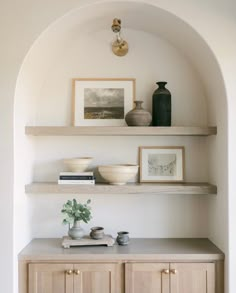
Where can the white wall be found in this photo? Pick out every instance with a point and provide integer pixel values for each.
(214, 20)
(46, 77)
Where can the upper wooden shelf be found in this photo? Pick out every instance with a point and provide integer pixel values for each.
(119, 131)
(130, 188)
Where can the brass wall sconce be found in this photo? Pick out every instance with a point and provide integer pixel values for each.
(119, 46)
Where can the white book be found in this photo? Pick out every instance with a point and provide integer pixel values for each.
(82, 182)
(76, 173)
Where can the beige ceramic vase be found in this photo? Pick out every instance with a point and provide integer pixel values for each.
(138, 116)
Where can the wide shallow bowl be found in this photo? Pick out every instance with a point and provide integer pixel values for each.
(118, 174)
(77, 164)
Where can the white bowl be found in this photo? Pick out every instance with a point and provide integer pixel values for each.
(118, 174)
(77, 164)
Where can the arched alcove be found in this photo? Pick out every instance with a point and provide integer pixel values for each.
(162, 47)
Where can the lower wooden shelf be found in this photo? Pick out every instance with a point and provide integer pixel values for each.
(130, 188)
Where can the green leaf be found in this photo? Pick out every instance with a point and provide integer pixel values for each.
(72, 210)
(64, 222)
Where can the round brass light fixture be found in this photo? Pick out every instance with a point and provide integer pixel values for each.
(120, 48)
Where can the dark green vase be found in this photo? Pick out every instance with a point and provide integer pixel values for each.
(161, 106)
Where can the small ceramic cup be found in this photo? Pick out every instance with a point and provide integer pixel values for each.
(123, 238)
(97, 232)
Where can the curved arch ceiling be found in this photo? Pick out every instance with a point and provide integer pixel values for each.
(138, 16)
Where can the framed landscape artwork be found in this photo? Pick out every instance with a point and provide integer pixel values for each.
(102, 102)
(161, 164)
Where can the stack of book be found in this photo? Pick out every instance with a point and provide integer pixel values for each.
(76, 178)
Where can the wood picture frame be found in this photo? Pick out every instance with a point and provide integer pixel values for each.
(102, 101)
(163, 164)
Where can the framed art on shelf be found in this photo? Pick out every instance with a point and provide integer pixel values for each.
(102, 101)
(161, 164)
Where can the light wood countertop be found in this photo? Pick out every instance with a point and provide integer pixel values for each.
(139, 249)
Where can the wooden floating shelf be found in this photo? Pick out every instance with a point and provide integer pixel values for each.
(130, 188)
(119, 131)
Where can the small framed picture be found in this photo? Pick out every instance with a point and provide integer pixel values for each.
(102, 101)
(161, 164)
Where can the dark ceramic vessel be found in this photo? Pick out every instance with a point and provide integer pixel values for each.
(161, 105)
(123, 238)
(97, 232)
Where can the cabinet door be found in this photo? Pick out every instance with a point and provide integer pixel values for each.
(50, 278)
(147, 278)
(192, 278)
(97, 278)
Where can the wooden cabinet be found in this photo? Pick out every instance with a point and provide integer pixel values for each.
(170, 278)
(146, 265)
(107, 278)
(74, 278)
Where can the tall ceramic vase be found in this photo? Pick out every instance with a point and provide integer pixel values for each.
(76, 232)
(161, 106)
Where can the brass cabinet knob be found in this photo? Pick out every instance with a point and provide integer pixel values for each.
(165, 272)
(69, 272)
(173, 271)
(77, 272)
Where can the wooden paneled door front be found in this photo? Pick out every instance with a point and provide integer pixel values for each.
(51, 278)
(147, 278)
(192, 278)
(75, 278)
(170, 278)
(96, 278)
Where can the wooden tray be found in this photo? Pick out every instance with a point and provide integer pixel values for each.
(107, 240)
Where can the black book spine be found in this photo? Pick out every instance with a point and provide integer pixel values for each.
(76, 177)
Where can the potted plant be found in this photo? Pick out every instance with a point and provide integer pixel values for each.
(74, 213)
